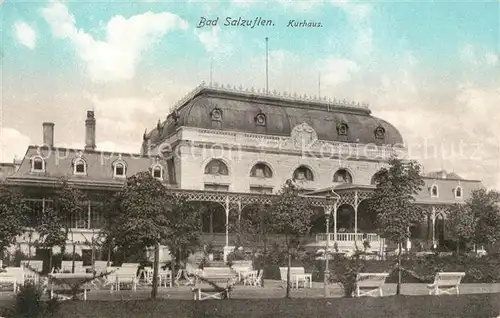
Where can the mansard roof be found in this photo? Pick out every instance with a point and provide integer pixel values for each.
(282, 113)
(99, 165)
(443, 174)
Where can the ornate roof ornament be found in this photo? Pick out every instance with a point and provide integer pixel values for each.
(303, 136)
(286, 96)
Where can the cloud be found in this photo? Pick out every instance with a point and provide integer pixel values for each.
(117, 57)
(335, 71)
(491, 58)
(122, 147)
(25, 34)
(300, 5)
(12, 144)
(478, 56)
(210, 39)
(359, 17)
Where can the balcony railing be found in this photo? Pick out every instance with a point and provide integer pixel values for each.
(349, 237)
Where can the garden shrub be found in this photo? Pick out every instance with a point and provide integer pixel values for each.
(28, 303)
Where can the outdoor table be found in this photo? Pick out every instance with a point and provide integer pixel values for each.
(304, 277)
(67, 282)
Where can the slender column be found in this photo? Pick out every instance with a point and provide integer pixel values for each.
(328, 211)
(226, 208)
(211, 225)
(239, 221)
(335, 223)
(356, 204)
(89, 216)
(433, 216)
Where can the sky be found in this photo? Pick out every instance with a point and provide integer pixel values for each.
(431, 68)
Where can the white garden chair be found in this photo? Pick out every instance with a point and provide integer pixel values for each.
(446, 283)
(370, 284)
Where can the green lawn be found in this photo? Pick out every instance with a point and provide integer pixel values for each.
(472, 305)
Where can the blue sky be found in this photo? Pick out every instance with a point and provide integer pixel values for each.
(429, 67)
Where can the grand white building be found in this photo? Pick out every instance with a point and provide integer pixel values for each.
(223, 144)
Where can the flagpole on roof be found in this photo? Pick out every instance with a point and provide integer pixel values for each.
(211, 69)
(319, 85)
(267, 66)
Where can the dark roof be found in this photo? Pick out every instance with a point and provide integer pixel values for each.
(239, 109)
(442, 174)
(59, 163)
(6, 169)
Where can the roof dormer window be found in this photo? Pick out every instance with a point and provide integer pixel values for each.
(37, 164)
(119, 169)
(157, 172)
(79, 167)
(458, 192)
(434, 191)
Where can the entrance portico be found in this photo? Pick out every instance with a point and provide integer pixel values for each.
(352, 225)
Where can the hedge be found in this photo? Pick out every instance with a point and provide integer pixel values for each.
(478, 270)
(472, 305)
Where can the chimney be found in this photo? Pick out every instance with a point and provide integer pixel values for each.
(48, 134)
(90, 131)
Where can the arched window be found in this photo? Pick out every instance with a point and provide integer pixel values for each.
(343, 176)
(458, 192)
(119, 169)
(261, 170)
(434, 191)
(303, 173)
(216, 167)
(37, 164)
(79, 166)
(157, 171)
(373, 181)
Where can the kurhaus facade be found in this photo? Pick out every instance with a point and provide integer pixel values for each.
(238, 147)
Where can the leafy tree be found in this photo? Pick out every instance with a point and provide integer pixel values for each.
(184, 229)
(461, 223)
(51, 231)
(140, 218)
(13, 213)
(485, 207)
(393, 202)
(291, 216)
(254, 229)
(69, 203)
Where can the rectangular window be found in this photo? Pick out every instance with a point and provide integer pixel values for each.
(171, 171)
(38, 164)
(267, 190)
(80, 168)
(35, 207)
(216, 187)
(119, 170)
(96, 215)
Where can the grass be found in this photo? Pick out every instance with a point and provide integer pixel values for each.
(471, 305)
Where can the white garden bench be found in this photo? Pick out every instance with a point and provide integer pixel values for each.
(37, 265)
(126, 275)
(297, 276)
(446, 283)
(67, 266)
(370, 284)
(17, 273)
(9, 279)
(217, 275)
